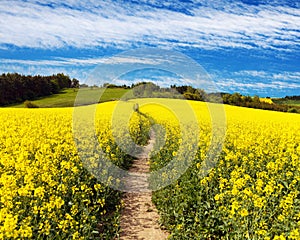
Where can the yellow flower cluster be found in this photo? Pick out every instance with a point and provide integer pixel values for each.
(261, 163)
(252, 193)
(45, 191)
(266, 100)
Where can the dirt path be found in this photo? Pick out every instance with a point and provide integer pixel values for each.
(139, 219)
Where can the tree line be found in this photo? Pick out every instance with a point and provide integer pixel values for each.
(15, 88)
(148, 89)
(237, 99)
(292, 98)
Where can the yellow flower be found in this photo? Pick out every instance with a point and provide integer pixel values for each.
(179, 227)
(10, 225)
(39, 192)
(259, 185)
(218, 197)
(259, 201)
(261, 232)
(281, 218)
(25, 232)
(244, 212)
(294, 234)
(281, 237)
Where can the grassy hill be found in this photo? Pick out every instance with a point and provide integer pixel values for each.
(67, 97)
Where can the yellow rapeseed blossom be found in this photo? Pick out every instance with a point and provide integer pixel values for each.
(256, 179)
(47, 192)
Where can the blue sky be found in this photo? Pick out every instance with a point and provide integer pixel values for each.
(252, 47)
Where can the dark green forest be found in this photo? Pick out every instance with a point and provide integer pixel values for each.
(16, 88)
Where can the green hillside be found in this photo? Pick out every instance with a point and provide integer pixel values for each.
(67, 97)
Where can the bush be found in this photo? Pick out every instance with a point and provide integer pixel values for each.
(292, 110)
(29, 104)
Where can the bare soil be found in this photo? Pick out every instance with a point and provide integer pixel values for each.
(139, 217)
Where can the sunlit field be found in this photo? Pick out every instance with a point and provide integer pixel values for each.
(45, 190)
(251, 193)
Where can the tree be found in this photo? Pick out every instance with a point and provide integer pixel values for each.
(75, 83)
(256, 99)
(235, 99)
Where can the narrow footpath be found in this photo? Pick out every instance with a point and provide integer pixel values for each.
(139, 218)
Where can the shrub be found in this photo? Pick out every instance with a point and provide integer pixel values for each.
(292, 110)
(29, 104)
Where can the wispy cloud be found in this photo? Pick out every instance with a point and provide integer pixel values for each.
(262, 83)
(83, 61)
(271, 88)
(290, 76)
(252, 73)
(225, 83)
(44, 24)
(264, 38)
(46, 68)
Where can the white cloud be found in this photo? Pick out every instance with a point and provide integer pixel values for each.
(286, 76)
(83, 61)
(252, 73)
(234, 84)
(292, 76)
(106, 23)
(44, 70)
(260, 82)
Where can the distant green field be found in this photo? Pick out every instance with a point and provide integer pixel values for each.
(287, 102)
(67, 97)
